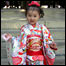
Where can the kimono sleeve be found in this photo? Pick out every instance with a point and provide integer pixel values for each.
(23, 37)
(47, 36)
(20, 41)
(19, 48)
(48, 39)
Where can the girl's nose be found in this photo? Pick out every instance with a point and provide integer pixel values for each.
(32, 18)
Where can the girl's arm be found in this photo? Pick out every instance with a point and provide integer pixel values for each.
(21, 39)
(19, 47)
(48, 38)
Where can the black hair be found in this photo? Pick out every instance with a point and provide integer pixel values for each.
(34, 7)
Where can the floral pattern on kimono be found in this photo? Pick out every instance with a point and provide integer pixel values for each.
(19, 44)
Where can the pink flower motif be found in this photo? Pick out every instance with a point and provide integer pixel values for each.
(16, 60)
(40, 58)
(34, 58)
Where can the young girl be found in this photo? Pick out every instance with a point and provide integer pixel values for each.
(33, 45)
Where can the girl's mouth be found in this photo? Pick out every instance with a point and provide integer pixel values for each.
(31, 21)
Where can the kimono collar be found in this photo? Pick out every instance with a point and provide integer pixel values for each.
(31, 26)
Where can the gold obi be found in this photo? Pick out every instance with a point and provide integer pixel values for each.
(34, 44)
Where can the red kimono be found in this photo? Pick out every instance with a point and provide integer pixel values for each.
(32, 46)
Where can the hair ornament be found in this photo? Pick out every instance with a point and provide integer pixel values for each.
(34, 3)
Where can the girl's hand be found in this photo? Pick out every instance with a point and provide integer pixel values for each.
(53, 46)
(8, 35)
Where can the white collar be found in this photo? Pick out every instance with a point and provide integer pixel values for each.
(31, 27)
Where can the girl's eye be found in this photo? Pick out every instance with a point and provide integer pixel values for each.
(34, 16)
(29, 15)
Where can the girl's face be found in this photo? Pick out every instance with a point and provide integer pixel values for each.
(33, 16)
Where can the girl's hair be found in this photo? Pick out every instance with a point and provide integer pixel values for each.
(34, 7)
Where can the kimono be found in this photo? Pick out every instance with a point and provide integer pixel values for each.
(31, 47)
